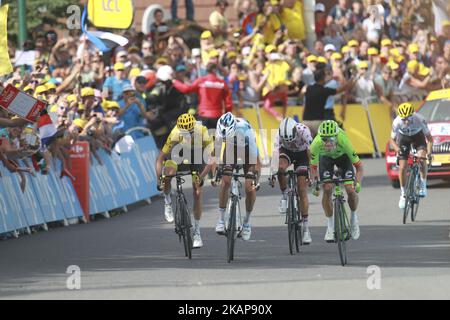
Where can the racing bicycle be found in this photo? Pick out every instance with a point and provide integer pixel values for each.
(342, 229)
(233, 220)
(293, 220)
(182, 217)
(412, 189)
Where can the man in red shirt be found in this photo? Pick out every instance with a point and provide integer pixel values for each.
(213, 94)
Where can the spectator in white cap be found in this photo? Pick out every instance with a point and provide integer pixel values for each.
(329, 50)
(320, 20)
(130, 110)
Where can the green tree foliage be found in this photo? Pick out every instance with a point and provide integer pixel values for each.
(38, 12)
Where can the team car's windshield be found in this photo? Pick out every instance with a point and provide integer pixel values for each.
(436, 110)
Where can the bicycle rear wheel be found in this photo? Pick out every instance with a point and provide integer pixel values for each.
(340, 231)
(186, 227)
(231, 231)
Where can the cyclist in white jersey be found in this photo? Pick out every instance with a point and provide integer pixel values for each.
(292, 148)
(410, 129)
(239, 148)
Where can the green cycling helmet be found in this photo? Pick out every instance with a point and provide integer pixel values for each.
(328, 128)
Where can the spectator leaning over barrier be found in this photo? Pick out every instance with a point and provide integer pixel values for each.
(213, 93)
(11, 148)
(113, 86)
(276, 86)
(316, 96)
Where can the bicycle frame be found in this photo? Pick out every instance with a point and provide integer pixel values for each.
(235, 197)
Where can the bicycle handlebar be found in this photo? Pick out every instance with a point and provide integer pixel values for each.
(180, 174)
(336, 181)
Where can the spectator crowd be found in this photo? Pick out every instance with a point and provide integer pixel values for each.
(372, 50)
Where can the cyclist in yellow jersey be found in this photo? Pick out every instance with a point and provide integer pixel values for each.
(331, 147)
(184, 150)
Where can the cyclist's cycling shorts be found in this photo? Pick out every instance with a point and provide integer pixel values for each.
(299, 159)
(343, 163)
(418, 141)
(235, 156)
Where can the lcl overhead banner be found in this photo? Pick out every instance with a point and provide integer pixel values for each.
(115, 14)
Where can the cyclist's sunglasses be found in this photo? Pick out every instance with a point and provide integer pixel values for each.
(407, 118)
(329, 139)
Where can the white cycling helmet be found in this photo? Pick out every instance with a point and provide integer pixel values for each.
(288, 130)
(164, 73)
(226, 125)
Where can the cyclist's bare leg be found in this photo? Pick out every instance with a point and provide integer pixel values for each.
(353, 198)
(250, 195)
(283, 164)
(197, 191)
(224, 191)
(403, 165)
(302, 187)
(327, 203)
(424, 167)
(169, 171)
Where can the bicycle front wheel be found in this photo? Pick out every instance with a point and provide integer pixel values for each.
(340, 231)
(231, 231)
(416, 199)
(186, 227)
(291, 226)
(409, 196)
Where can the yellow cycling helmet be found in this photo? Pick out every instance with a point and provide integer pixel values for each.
(405, 110)
(186, 122)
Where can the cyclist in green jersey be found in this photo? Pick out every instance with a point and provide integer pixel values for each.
(331, 147)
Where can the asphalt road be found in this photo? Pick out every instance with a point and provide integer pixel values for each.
(137, 255)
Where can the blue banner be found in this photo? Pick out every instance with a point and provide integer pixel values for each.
(46, 198)
(124, 179)
(121, 180)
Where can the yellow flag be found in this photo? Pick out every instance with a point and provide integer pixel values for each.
(5, 63)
